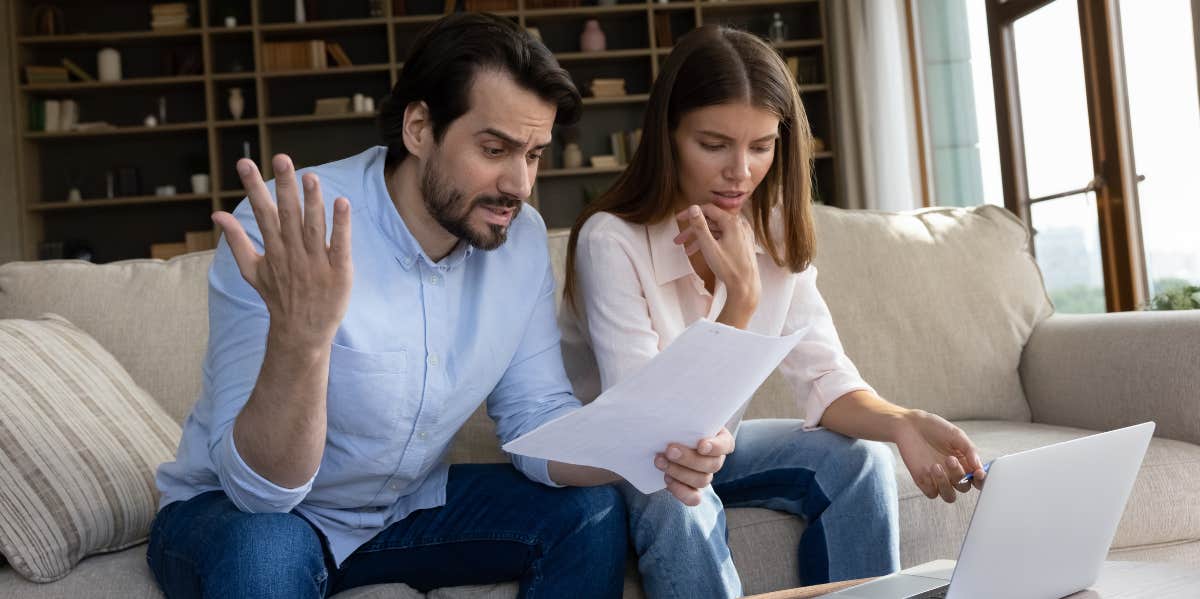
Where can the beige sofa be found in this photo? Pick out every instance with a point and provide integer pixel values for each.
(942, 309)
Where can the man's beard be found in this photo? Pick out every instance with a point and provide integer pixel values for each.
(451, 210)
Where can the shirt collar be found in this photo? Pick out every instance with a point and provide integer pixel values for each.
(384, 213)
(668, 259)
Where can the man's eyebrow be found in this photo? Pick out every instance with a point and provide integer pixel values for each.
(724, 137)
(510, 140)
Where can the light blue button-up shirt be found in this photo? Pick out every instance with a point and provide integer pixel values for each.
(422, 345)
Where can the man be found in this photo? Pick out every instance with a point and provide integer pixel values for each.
(312, 462)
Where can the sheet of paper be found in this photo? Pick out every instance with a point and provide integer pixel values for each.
(685, 394)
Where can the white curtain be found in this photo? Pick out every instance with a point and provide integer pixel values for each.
(874, 113)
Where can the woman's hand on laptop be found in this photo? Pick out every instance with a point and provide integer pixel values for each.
(689, 469)
(938, 455)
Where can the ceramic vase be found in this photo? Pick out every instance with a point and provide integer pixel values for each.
(592, 39)
(237, 103)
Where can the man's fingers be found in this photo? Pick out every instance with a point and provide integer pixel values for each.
(339, 240)
(688, 495)
(265, 212)
(314, 215)
(926, 485)
(287, 197)
(239, 243)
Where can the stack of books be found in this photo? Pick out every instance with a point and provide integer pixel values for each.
(287, 56)
(624, 144)
(35, 75)
(608, 88)
(172, 15)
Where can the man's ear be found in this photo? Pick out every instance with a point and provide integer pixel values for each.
(418, 130)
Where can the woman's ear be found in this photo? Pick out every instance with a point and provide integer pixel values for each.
(418, 130)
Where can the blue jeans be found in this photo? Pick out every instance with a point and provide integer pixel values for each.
(496, 526)
(844, 488)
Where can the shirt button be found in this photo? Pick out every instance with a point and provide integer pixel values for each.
(433, 360)
(423, 434)
(395, 486)
(433, 280)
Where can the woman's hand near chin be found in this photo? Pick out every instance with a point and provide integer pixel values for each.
(727, 246)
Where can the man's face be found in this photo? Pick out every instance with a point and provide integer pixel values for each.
(476, 179)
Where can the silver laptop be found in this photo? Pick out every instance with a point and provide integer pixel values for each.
(1042, 527)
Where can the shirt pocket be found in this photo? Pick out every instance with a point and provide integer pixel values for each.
(367, 391)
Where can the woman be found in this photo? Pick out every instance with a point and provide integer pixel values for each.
(713, 219)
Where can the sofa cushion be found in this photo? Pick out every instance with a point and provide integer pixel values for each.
(152, 315)
(1161, 508)
(79, 442)
(933, 306)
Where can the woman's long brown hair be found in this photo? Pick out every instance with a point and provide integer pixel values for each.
(716, 65)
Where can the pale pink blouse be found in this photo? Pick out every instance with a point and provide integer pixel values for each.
(636, 292)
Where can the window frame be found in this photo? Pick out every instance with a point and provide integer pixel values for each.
(1115, 178)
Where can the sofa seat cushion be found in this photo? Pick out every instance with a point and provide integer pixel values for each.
(79, 442)
(1161, 508)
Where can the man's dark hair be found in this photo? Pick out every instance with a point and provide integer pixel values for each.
(444, 60)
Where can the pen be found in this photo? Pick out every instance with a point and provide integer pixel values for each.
(971, 475)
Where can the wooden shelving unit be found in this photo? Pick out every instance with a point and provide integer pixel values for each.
(201, 136)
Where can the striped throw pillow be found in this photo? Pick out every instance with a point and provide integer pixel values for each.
(79, 444)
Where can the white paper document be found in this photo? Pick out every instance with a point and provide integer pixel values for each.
(686, 393)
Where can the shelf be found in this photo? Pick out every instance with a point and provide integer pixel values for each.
(809, 88)
(735, 4)
(319, 118)
(672, 6)
(630, 99)
(236, 76)
(580, 172)
(127, 201)
(108, 36)
(232, 193)
(95, 85)
(824, 154)
(586, 11)
(793, 44)
(134, 130)
(605, 55)
(415, 19)
(350, 70)
(223, 30)
(323, 25)
(232, 123)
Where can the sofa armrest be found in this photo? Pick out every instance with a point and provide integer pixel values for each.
(1105, 371)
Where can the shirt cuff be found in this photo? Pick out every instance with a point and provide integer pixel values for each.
(536, 469)
(826, 389)
(248, 490)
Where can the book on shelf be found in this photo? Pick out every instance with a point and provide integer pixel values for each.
(35, 74)
(172, 15)
(604, 161)
(607, 88)
(331, 106)
(338, 54)
(166, 251)
(662, 30)
(619, 143)
(198, 241)
(288, 56)
(624, 144)
(77, 70)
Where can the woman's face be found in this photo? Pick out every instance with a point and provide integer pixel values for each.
(724, 152)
